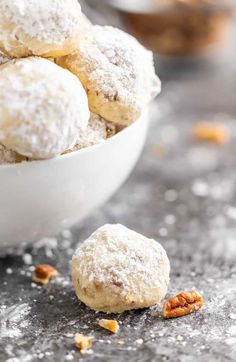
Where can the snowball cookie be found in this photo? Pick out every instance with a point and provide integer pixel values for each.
(8, 156)
(116, 71)
(43, 108)
(4, 58)
(98, 130)
(117, 269)
(95, 132)
(48, 28)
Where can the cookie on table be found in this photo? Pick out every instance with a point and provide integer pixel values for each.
(117, 269)
(43, 108)
(117, 73)
(47, 28)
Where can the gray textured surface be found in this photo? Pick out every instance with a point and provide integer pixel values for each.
(186, 199)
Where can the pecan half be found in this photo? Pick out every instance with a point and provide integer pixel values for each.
(182, 304)
(109, 324)
(43, 273)
(212, 132)
(82, 342)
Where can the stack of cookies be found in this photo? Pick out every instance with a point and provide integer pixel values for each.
(66, 84)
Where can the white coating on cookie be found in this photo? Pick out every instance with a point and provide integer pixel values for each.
(118, 64)
(113, 64)
(122, 264)
(51, 21)
(95, 132)
(43, 108)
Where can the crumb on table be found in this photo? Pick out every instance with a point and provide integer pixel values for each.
(216, 133)
(109, 324)
(82, 342)
(43, 273)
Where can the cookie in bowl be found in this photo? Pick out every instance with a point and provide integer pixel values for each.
(43, 108)
(116, 71)
(97, 131)
(45, 28)
(44, 112)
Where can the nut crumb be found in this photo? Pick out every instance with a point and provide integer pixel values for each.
(212, 132)
(43, 273)
(82, 342)
(120, 342)
(109, 324)
(182, 304)
(159, 149)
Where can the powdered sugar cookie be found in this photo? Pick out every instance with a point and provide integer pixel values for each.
(117, 73)
(97, 131)
(117, 269)
(43, 108)
(47, 28)
(8, 156)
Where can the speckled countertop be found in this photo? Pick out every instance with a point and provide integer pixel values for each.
(181, 193)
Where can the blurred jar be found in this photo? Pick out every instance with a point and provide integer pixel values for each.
(177, 27)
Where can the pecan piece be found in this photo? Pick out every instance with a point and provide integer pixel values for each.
(182, 304)
(82, 342)
(212, 132)
(109, 324)
(43, 273)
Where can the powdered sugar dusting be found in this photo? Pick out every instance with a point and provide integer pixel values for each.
(43, 108)
(117, 66)
(51, 21)
(125, 67)
(95, 132)
(13, 320)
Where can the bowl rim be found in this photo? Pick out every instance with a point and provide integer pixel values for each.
(82, 151)
(150, 7)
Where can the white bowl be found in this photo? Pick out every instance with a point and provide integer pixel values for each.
(41, 198)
